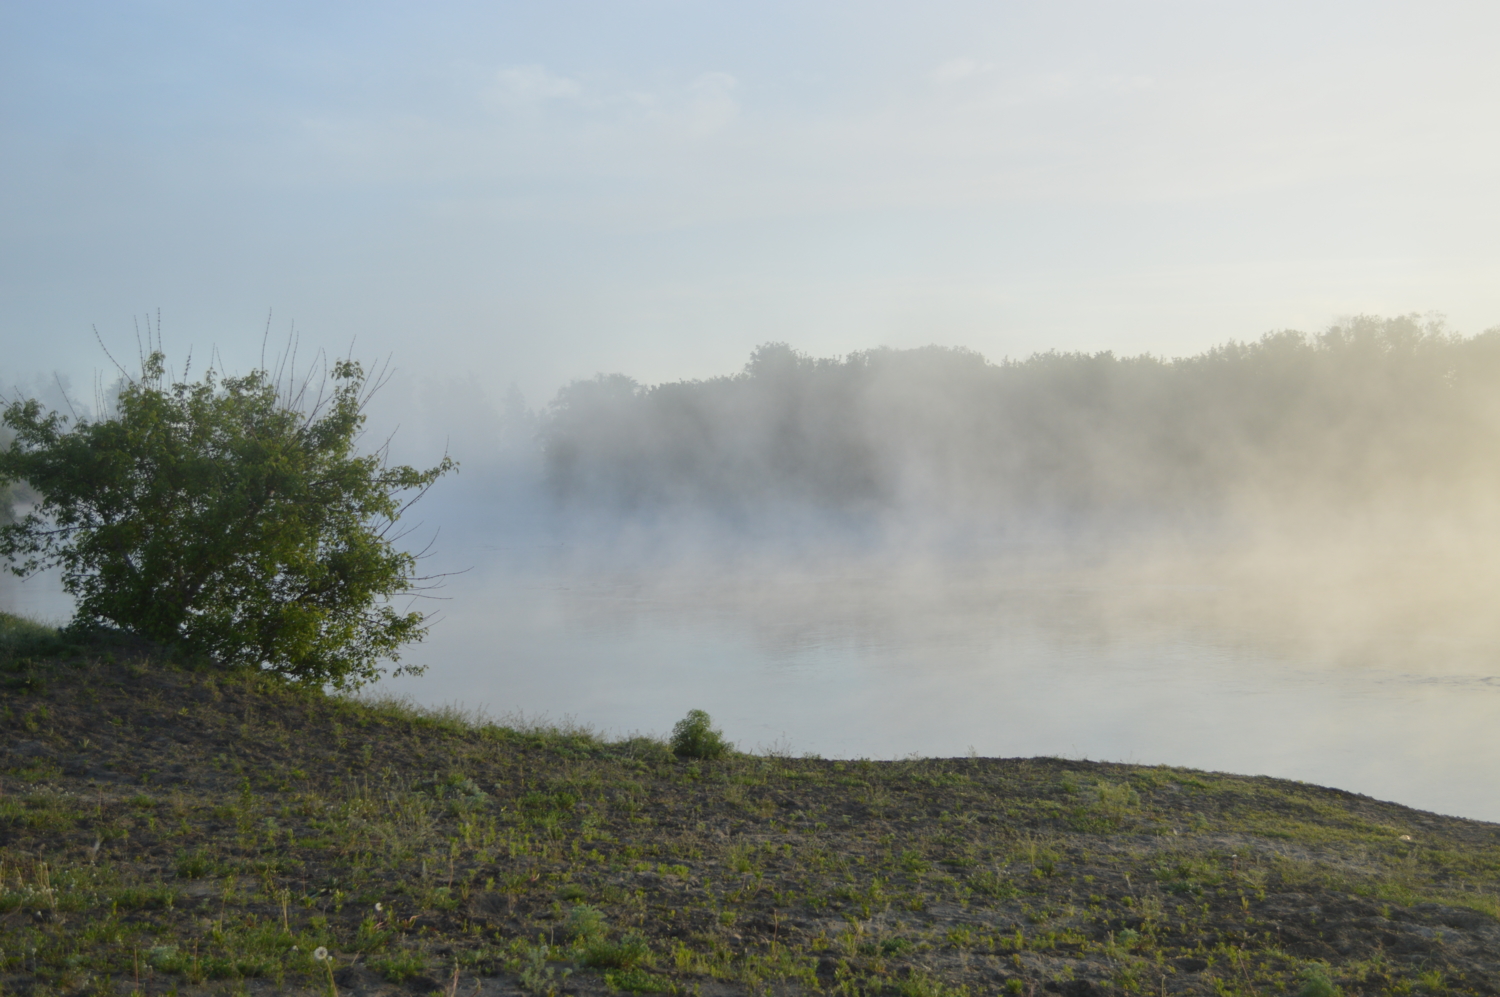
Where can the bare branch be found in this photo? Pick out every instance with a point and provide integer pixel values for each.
(100, 340)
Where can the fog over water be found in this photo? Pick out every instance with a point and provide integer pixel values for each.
(1275, 557)
(1237, 674)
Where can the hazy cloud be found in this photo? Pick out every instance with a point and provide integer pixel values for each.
(712, 102)
(958, 70)
(532, 84)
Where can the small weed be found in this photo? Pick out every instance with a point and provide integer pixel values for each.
(923, 985)
(1315, 983)
(536, 976)
(627, 953)
(586, 925)
(398, 967)
(638, 981)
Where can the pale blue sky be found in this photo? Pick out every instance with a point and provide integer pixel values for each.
(537, 192)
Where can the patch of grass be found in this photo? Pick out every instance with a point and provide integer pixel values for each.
(398, 967)
(19, 635)
(923, 985)
(638, 981)
(1315, 983)
(627, 953)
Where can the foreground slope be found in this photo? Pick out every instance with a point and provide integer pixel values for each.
(165, 829)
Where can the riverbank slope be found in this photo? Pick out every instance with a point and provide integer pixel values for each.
(166, 828)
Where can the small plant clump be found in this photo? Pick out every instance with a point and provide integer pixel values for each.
(1317, 984)
(695, 736)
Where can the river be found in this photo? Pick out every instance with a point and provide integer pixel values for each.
(1388, 687)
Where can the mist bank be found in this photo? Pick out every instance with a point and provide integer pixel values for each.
(1375, 429)
(1385, 421)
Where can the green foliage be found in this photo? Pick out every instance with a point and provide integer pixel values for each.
(399, 967)
(923, 985)
(462, 793)
(627, 953)
(586, 925)
(536, 976)
(25, 647)
(1315, 983)
(19, 635)
(638, 981)
(197, 864)
(694, 736)
(227, 515)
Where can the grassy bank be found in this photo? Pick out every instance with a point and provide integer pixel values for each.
(166, 829)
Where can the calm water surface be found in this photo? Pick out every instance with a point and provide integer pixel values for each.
(1295, 679)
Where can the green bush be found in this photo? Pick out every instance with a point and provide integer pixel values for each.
(232, 516)
(694, 736)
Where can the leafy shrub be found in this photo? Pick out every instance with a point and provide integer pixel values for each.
(694, 736)
(232, 516)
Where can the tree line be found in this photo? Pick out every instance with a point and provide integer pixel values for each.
(1371, 411)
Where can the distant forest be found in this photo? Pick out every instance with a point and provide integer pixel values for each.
(1394, 413)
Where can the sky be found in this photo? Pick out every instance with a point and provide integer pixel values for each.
(533, 193)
